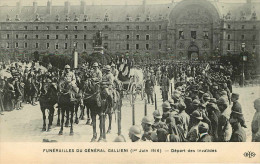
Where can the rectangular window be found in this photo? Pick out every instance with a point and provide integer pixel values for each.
(106, 27)
(76, 28)
(137, 37)
(36, 45)
(57, 36)
(48, 27)
(137, 46)
(36, 36)
(7, 36)
(228, 37)
(127, 36)
(229, 26)
(228, 46)
(242, 37)
(85, 27)
(147, 27)
(254, 37)
(66, 45)
(66, 36)
(137, 27)
(57, 46)
(160, 46)
(25, 36)
(147, 46)
(181, 35)
(76, 36)
(85, 46)
(159, 36)
(36, 28)
(25, 45)
(127, 27)
(243, 27)
(160, 27)
(47, 45)
(206, 34)
(106, 46)
(118, 36)
(85, 37)
(118, 46)
(16, 36)
(193, 34)
(16, 45)
(25, 27)
(105, 37)
(48, 36)
(66, 27)
(127, 46)
(147, 37)
(7, 45)
(57, 27)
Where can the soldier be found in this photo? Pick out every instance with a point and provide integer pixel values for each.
(70, 79)
(147, 128)
(238, 134)
(149, 89)
(236, 108)
(184, 117)
(166, 110)
(157, 119)
(96, 73)
(203, 132)
(135, 133)
(107, 82)
(195, 120)
(114, 71)
(224, 127)
(165, 84)
(255, 125)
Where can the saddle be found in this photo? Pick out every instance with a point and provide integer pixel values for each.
(72, 90)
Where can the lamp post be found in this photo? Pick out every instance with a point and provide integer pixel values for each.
(244, 59)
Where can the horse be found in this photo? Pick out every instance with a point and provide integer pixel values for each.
(66, 103)
(92, 100)
(48, 99)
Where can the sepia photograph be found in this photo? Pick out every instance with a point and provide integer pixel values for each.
(96, 72)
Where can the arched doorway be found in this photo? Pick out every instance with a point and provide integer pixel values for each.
(193, 52)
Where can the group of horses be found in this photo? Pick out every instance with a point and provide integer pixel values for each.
(89, 96)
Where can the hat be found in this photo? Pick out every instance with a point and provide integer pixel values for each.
(203, 127)
(107, 67)
(95, 64)
(223, 93)
(206, 96)
(67, 66)
(147, 120)
(222, 101)
(195, 102)
(157, 114)
(171, 101)
(120, 138)
(235, 95)
(113, 65)
(166, 104)
(213, 100)
(196, 114)
(136, 131)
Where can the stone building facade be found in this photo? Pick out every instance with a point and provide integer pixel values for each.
(184, 30)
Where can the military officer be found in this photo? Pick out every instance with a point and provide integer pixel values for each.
(96, 73)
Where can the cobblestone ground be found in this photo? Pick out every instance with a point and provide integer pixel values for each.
(26, 125)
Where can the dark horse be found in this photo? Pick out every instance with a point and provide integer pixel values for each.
(92, 100)
(48, 99)
(66, 103)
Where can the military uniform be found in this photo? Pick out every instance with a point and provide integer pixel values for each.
(238, 135)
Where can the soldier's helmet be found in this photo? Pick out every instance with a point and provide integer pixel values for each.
(113, 65)
(120, 138)
(136, 131)
(67, 66)
(147, 120)
(166, 105)
(157, 114)
(107, 68)
(95, 64)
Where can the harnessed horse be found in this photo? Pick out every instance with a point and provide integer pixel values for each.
(48, 99)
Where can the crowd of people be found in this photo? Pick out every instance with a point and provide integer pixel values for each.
(196, 97)
(197, 108)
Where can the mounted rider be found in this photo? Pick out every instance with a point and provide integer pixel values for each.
(96, 73)
(70, 80)
(108, 83)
